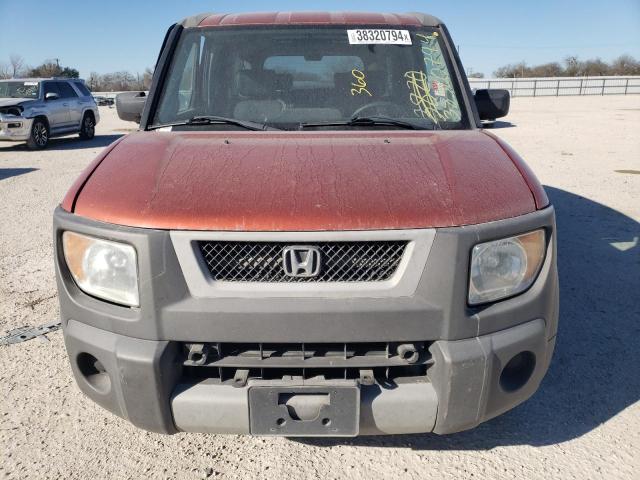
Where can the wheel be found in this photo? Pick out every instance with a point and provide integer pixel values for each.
(88, 127)
(39, 135)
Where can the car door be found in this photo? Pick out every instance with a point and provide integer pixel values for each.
(71, 102)
(56, 110)
(85, 100)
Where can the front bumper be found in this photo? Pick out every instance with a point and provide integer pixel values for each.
(14, 128)
(142, 383)
(139, 373)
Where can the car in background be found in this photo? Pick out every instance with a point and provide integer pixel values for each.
(37, 109)
(103, 101)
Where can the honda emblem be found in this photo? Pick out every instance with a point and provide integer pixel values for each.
(301, 261)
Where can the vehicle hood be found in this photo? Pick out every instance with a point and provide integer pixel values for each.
(303, 181)
(12, 102)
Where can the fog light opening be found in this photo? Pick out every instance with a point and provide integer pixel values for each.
(94, 372)
(517, 371)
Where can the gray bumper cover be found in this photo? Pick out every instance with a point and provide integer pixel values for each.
(138, 348)
(462, 390)
(10, 131)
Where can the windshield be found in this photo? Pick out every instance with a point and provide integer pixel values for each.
(13, 89)
(288, 77)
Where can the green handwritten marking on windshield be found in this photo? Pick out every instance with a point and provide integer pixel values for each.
(432, 92)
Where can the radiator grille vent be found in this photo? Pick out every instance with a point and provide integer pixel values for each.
(367, 261)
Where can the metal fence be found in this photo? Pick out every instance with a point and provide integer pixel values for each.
(561, 86)
(543, 87)
(110, 94)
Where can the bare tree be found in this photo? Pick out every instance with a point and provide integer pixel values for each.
(5, 71)
(93, 81)
(147, 76)
(573, 66)
(625, 65)
(512, 71)
(596, 67)
(553, 69)
(17, 62)
(471, 73)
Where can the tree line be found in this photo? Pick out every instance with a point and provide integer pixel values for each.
(106, 82)
(119, 81)
(16, 68)
(572, 66)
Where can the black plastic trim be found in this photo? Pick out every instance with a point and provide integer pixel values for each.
(162, 66)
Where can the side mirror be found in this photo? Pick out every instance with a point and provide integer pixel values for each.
(492, 104)
(51, 96)
(129, 105)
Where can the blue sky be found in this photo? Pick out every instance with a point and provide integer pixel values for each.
(126, 35)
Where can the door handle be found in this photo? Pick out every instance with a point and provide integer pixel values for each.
(65, 104)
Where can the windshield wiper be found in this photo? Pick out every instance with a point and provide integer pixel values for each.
(368, 121)
(213, 120)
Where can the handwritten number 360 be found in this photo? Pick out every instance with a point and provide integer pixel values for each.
(360, 84)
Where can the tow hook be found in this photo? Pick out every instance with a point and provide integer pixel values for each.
(408, 352)
(198, 353)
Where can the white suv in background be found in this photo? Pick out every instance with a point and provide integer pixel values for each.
(35, 110)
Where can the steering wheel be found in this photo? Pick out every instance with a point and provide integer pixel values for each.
(380, 105)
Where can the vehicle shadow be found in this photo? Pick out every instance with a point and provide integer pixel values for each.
(14, 172)
(594, 372)
(74, 143)
(69, 143)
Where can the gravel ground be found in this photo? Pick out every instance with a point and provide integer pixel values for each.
(583, 423)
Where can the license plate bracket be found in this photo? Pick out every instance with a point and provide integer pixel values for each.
(305, 411)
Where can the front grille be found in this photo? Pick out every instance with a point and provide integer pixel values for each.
(369, 261)
(330, 361)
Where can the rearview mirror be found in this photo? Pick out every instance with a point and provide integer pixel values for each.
(492, 104)
(51, 96)
(129, 105)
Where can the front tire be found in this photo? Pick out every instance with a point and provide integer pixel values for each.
(88, 127)
(39, 137)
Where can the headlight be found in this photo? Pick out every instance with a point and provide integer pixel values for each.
(506, 267)
(108, 270)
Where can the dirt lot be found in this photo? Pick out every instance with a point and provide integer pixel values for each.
(583, 423)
